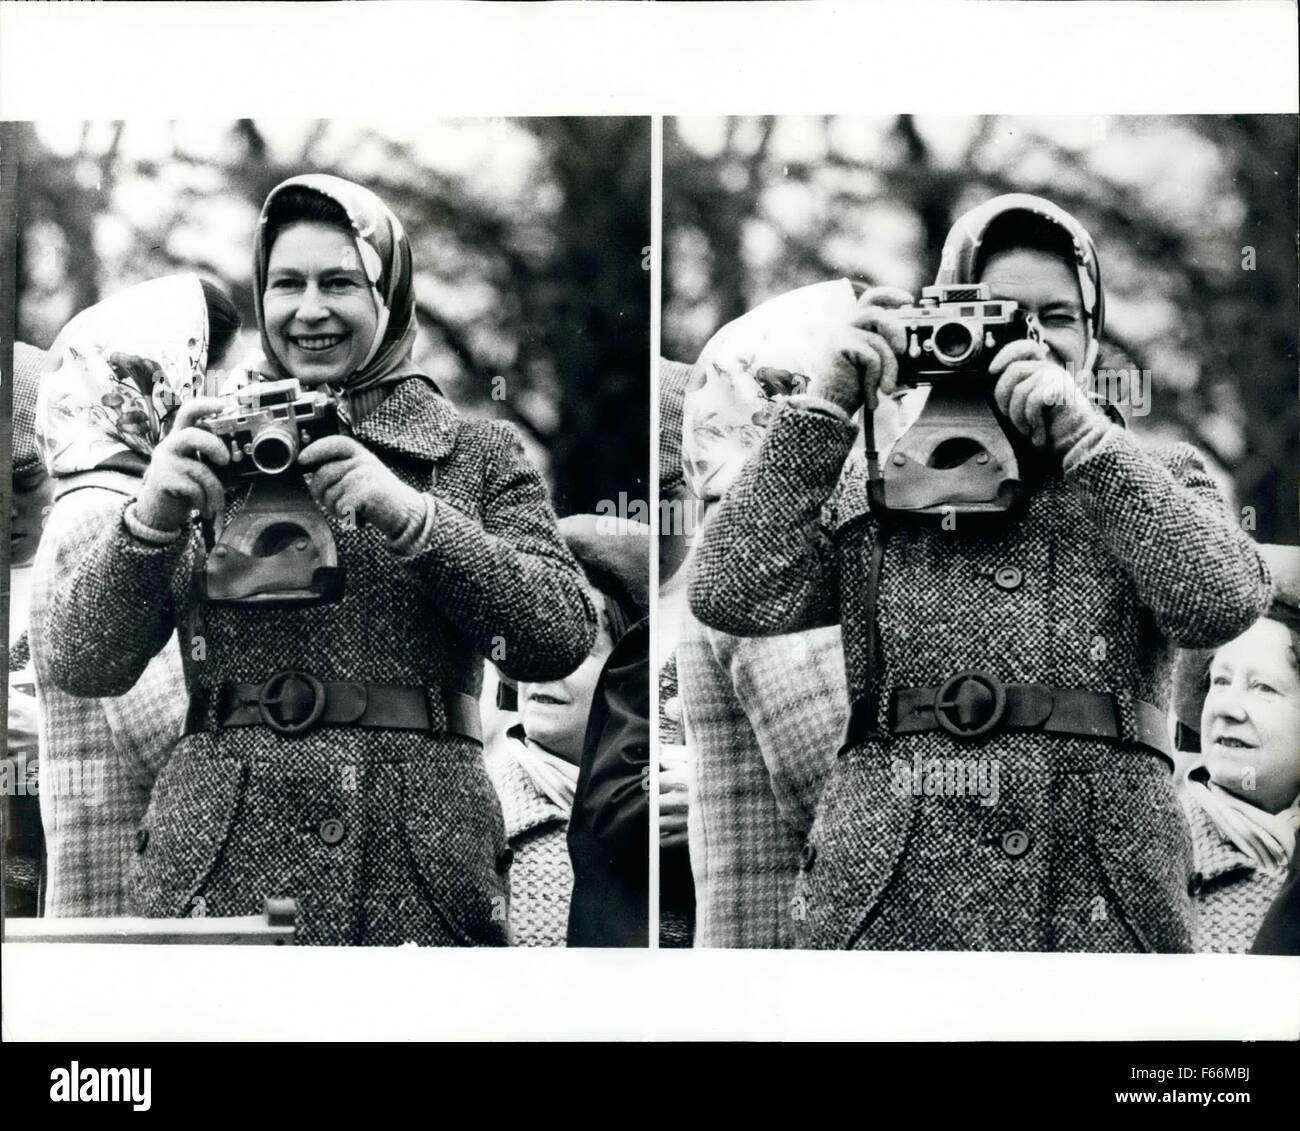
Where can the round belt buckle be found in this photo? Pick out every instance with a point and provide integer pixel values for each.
(277, 692)
(971, 692)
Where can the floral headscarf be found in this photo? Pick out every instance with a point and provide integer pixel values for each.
(384, 252)
(769, 351)
(117, 374)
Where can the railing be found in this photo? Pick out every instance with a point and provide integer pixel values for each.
(274, 927)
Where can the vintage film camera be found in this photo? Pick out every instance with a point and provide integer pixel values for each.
(277, 550)
(960, 456)
(268, 423)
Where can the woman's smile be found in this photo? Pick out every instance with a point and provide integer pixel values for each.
(318, 343)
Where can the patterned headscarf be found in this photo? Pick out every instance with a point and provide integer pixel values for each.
(766, 353)
(384, 253)
(962, 256)
(118, 372)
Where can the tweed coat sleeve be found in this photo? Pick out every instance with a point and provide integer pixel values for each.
(111, 597)
(1164, 521)
(506, 579)
(765, 564)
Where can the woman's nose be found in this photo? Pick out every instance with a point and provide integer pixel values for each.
(311, 308)
(1227, 702)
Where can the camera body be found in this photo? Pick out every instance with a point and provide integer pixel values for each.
(955, 331)
(266, 425)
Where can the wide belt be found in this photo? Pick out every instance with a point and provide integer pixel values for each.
(973, 705)
(295, 702)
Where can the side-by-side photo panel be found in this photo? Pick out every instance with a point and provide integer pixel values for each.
(979, 585)
(329, 616)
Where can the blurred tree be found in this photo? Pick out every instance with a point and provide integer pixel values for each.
(757, 206)
(528, 238)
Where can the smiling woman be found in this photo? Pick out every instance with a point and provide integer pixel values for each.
(332, 748)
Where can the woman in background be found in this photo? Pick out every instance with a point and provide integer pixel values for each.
(535, 769)
(117, 373)
(1242, 792)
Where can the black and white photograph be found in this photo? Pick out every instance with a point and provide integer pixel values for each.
(324, 628)
(633, 523)
(1010, 659)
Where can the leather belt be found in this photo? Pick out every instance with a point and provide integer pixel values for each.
(972, 705)
(295, 702)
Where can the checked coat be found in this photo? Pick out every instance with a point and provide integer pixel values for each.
(381, 836)
(541, 876)
(1231, 894)
(1112, 562)
(118, 744)
(765, 715)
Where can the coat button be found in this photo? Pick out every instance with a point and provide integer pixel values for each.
(1015, 843)
(1008, 578)
(807, 856)
(141, 839)
(673, 709)
(505, 858)
(332, 830)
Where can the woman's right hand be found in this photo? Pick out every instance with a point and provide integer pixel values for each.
(179, 479)
(863, 358)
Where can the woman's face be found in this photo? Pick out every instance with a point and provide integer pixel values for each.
(319, 310)
(1047, 288)
(554, 714)
(1250, 721)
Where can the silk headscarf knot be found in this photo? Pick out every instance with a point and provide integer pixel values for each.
(384, 253)
(117, 374)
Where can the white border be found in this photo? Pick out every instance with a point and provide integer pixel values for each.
(224, 993)
(382, 61)
(413, 59)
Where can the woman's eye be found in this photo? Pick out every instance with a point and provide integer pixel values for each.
(1219, 681)
(1259, 685)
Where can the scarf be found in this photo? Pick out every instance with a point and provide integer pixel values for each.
(384, 252)
(753, 364)
(551, 775)
(1268, 839)
(117, 374)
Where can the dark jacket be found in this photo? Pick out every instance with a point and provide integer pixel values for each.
(381, 836)
(609, 829)
(1109, 564)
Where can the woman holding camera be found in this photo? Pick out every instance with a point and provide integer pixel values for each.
(331, 752)
(1037, 644)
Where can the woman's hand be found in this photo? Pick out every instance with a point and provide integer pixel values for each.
(673, 796)
(1040, 398)
(349, 481)
(178, 480)
(863, 357)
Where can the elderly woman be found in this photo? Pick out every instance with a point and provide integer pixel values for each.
(331, 751)
(117, 373)
(1034, 644)
(1242, 791)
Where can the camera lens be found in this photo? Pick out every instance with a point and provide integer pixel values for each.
(273, 450)
(954, 343)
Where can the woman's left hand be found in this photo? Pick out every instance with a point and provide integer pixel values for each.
(352, 483)
(1039, 397)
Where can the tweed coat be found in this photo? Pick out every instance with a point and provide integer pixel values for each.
(1230, 893)
(541, 875)
(764, 715)
(381, 837)
(99, 757)
(1110, 561)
